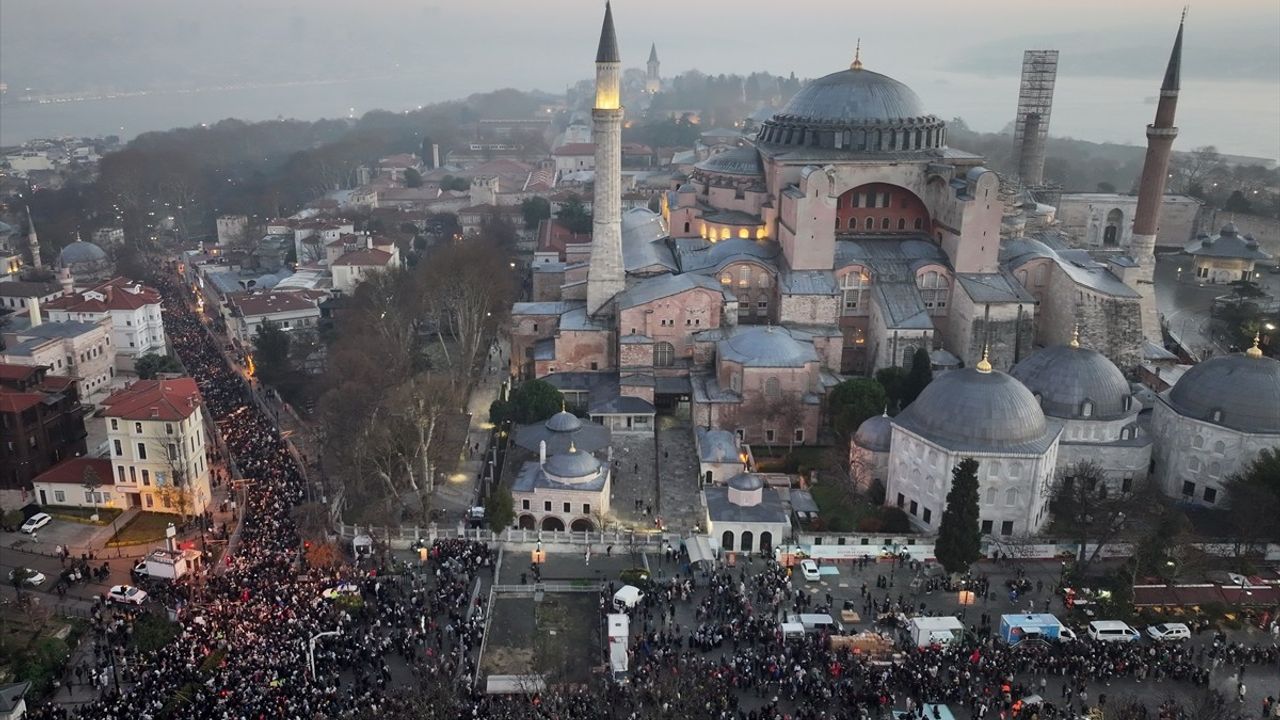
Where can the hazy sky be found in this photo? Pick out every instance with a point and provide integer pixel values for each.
(454, 48)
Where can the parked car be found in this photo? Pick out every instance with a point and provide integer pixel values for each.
(127, 595)
(1112, 631)
(30, 577)
(35, 522)
(809, 569)
(1169, 631)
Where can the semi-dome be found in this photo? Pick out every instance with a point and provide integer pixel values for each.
(1075, 383)
(574, 465)
(766, 346)
(1235, 391)
(563, 421)
(738, 161)
(974, 410)
(852, 96)
(874, 433)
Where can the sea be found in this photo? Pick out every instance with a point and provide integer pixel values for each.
(1239, 117)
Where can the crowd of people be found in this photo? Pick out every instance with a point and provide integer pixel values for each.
(392, 642)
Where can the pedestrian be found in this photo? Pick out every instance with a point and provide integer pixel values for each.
(608, 551)
(587, 557)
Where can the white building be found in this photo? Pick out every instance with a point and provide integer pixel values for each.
(986, 415)
(356, 266)
(286, 310)
(232, 229)
(567, 485)
(1213, 422)
(71, 348)
(721, 455)
(1105, 220)
(157, 436)
(133, 310)
(745, 516)
(65, 485)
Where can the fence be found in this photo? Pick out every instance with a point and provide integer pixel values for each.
(402, 538)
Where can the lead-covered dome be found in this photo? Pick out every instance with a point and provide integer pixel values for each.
(855, 110)
(563, 421)
(573, 466)
(1235, 391)
(1076, 383)
(768, 346)
(979, 411)
(874, 433)
(738, 161)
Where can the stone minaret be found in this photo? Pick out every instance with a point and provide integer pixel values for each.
(33, 242)
(605, 278)
(1155, 169)
(1031, 156)
(653, 80)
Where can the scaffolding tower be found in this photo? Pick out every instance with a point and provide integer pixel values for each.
(1035, 97)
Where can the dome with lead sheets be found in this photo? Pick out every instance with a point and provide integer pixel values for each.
(1066, 378)
(1235, 391)
(979, 411)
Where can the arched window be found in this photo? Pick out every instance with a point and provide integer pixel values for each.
(1115, 223)
(1011, 497)
(772, 388)
(838, 222)
(893, 139)
(1086, 408)
(934, 289)
(847, 137)
(686, 227)
(1126, 433)
(1197, 441)
(902, 223)
(1219, 447)
(862, 139)
(919, 138)
(919, 223)
(1215, 416)
(744, 233)
(875, 140)
(664, 354)
(726, 541)
(908, 356)
(747, 539)
(884, 223)
(855, 286)
(870, 224)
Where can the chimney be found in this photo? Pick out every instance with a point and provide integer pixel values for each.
(33, 310)
(368, 242)
(542, 453)
(435, 156)
(107, 292)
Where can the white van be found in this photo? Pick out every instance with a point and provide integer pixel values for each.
(816, 622)
(1112, 631)
(627, 598)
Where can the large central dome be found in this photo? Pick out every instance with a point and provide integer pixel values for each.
(971, 410)
(853, 96)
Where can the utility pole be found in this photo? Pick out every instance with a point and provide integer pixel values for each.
(311, 650)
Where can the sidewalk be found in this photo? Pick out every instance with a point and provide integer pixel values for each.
(457, 494)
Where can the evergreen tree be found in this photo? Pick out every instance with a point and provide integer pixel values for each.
(959, 539)
(853, 401)
(920, 375)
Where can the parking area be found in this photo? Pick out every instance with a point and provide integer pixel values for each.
(77, 537)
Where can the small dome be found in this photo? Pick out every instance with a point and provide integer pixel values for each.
(573, 465)
(738, 161)
(854, 96)
(563, 421)
(1242, 393)
(975, 410)
(746, 482)
(874, 433)
(1065, 378)
(80, 252)
(745, 490)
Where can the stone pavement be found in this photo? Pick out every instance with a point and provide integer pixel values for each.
(661, 475)
(458, 492)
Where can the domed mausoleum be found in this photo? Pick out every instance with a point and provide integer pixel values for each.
(559, 473)
(1214, 421)
(87, 262)
(746, 515)
(869, 451)
(1085, 390)
(987, 415)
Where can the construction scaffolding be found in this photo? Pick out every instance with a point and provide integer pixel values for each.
(1035, 98)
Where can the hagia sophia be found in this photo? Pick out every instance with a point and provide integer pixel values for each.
(843, 237)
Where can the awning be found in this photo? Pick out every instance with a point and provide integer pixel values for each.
(699, 548)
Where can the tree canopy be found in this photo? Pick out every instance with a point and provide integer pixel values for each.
(853, 401)
(574, 215)
(532, 401)
(959, 537)
(535, 210)
(150, 365)
(893, 380)
(920, 375)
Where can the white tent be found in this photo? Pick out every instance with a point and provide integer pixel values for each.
(699, 549)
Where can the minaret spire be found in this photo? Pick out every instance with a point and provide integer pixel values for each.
(857, 56)
(605, 277)
(33, 242)
(1155, 170)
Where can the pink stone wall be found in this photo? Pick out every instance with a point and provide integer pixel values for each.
(675, 318)
(631, 355)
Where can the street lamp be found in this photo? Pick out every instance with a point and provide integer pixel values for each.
(311, 650)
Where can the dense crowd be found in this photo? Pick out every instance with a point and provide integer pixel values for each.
(244, 648)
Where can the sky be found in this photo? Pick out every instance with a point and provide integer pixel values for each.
(451, 49)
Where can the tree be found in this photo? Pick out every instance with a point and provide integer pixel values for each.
(959, 542)
(1253, 496)
(1237, 203)
(573, 214)
(893, 380)
(1088, 510)
(920, 375)
(150, 365)
(412, 178)
(852, 402)
(535, 210)
(1106, 187)
(450, 182)
(271, 354)
(532, 401)
(500, 509)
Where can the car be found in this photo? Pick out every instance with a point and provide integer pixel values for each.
(31, 577)
(340, 590)
(35, 522)
(809, 569)
(1169, 631)
(127, 595)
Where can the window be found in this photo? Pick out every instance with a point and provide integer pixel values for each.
(1188, 488)
(919, 223)
(914, 507)
(116, 446)
(799, 435)
(566, 508)
(884, 223)
(870, 224)
(933, 288)
(173, 451)
(546, 505)
(1219, 447)
(855, 286)
(1126, 484)
(991, 496)
(59, 496)
(768, 435)
(1006, 527)
(901, 501)
(857, 200)
(1210, 495)
(902, 223)
(838, 222)
(772, 388)
(120, 473)
(1011, 497)
(142, 451)
(524, 504)
(167, 502)
(987, 527)
(1086, 408)
(133, 474)
(586, 508)
(664, 354)
(146, 477)
(151, 501)
(137, 428)
(927, 515)
(168, 428)
(88, 496)
(115, 424)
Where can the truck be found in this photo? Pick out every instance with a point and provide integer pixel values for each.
(619, 637)
(167, 564)
(927, 631)
(1015, 629)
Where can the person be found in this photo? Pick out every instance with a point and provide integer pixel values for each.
(587, 556)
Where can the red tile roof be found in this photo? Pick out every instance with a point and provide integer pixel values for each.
(12, 372)
(14, 402)
(270, 302)
(174, 399)
(365, 256)
(71, 472)
(117, 294)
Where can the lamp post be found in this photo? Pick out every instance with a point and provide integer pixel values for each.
(311, 650)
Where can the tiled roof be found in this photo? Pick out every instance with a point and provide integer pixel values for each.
(12, 372)
(13, 402)
(115, 294)
(271, 302)
(71, 471)
(23, 288)
(365, 257)
(173, 399)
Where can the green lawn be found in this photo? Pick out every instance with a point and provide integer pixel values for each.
(82, 514)
(837, 510)
(146, 527)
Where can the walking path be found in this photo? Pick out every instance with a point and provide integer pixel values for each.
(459, 492)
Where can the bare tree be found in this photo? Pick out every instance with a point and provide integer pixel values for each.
(1089, 510)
